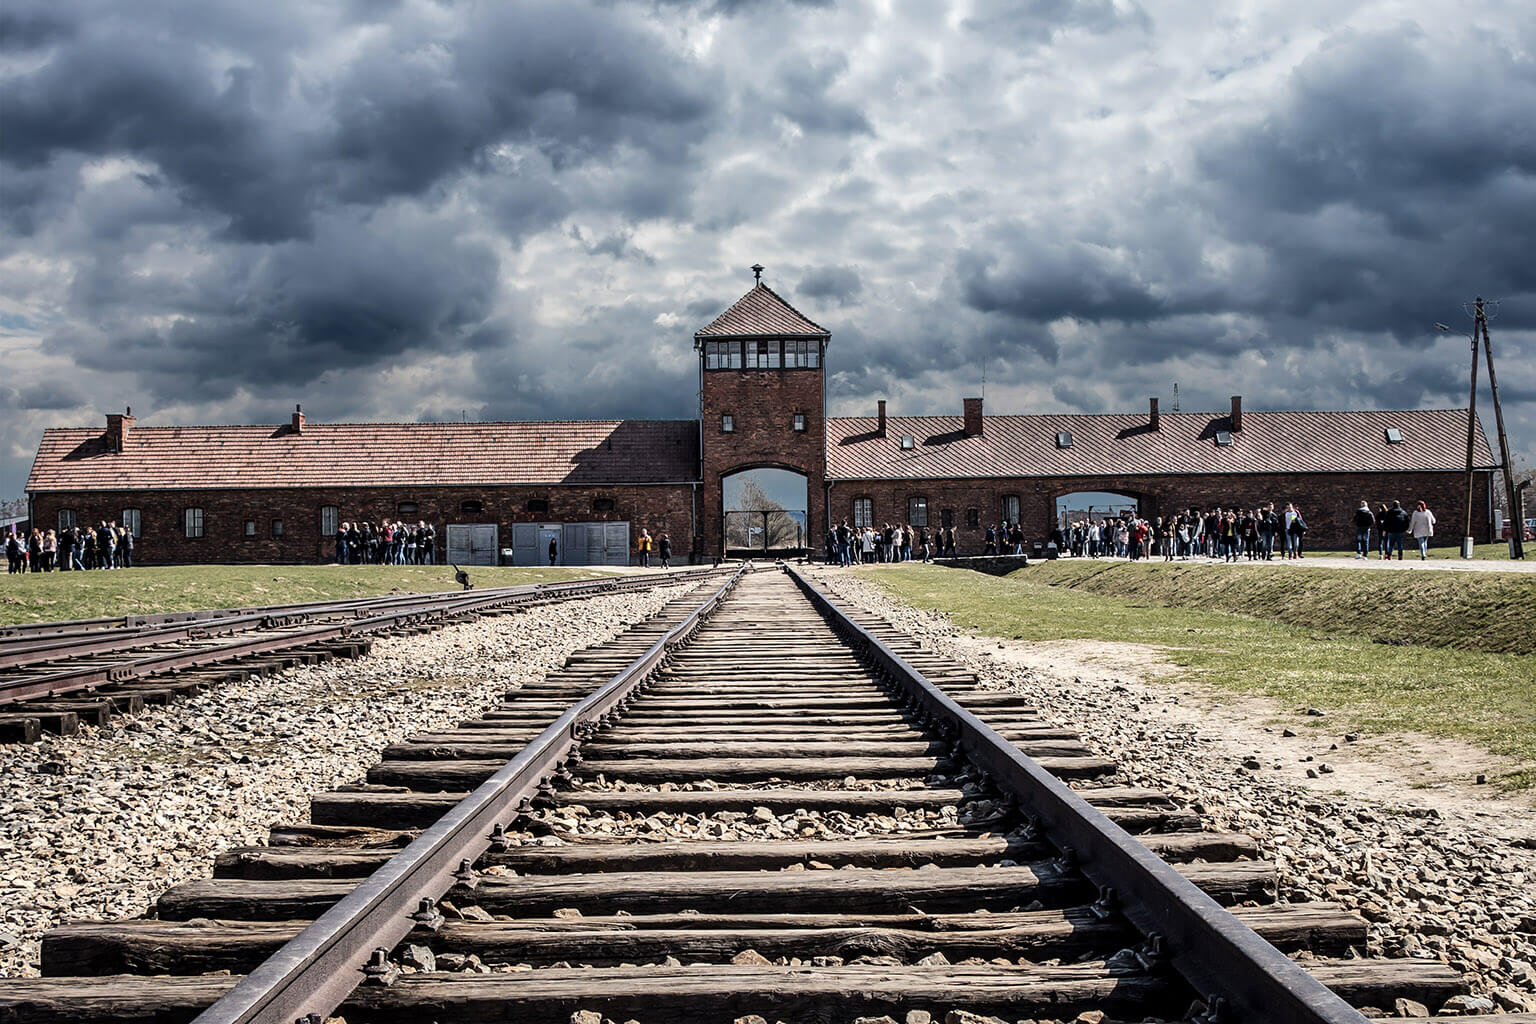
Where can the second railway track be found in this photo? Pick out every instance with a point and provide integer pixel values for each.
(763, 805)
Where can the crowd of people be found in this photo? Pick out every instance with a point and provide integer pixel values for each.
(1228, 534)
(104, 546)
(368, 543)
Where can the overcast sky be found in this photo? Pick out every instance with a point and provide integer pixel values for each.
(419, 210)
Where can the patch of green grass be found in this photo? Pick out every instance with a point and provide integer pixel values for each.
(46, 597)
(1481, 697)
(1481, 611)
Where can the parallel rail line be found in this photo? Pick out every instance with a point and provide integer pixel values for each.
(869, 831)
(55, 675)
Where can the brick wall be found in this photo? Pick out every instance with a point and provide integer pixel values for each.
(762, 404)
(658, 508)
(1327, 501)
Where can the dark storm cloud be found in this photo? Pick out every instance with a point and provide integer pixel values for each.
(1395, 178)
(838, 284)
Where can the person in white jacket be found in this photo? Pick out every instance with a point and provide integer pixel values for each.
(1422, 526)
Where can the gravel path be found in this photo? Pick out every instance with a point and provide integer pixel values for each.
(1433, 886)
(98, 825)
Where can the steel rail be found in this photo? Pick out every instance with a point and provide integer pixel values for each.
(316, 971)
(1242, 977)
(427, 609)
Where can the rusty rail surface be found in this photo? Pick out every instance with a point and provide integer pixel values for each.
(320, 967)
(1214, 951)
(283, 627)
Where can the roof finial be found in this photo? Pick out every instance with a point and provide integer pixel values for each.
(757, 272)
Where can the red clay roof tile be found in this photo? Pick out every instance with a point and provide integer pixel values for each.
(761, 312)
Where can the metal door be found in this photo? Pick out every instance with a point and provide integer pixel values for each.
(472, 543)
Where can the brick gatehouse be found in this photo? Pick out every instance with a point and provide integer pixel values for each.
(761, 468)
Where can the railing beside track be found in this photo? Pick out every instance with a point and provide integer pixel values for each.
(321, 966)
(1242, 976)
(415, 610)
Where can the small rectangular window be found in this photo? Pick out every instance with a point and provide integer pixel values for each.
(66, 518)
(1063, 439)
(1223, 438)
(602, 504)
(727, 424)
(406, 509)
(250, 528)
(1394, 436)
(973, 518)
(947, 518)
(470, 507)
(277, 527)
(192, 522)
(863, 512)
(917, 511)
(538, 506)
(799, 422)
(132, 520)
(732, 357)
(907, 442)
(329, 515)
(768, 357)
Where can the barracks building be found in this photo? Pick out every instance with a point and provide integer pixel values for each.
(761, 470)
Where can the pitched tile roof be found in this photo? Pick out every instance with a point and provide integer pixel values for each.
(761, 311)
(371, 455)
(1103, 445)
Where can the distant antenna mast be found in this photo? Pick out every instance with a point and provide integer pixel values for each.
(983, 380)
(1175, 396)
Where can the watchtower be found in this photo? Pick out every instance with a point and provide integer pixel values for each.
(762, 422)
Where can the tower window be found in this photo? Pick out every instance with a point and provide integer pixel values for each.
(727, 424)
(802, 353)
(799, 422)
(763, 355)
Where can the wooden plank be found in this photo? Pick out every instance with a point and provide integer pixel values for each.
(661, 995)
(19, 728)
(895, 851)
(663, 891)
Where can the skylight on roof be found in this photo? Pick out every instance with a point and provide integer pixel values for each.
(1223, 438)
(1394, 436)
(907, 442)
(1063, 439)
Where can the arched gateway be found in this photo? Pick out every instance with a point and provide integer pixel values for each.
(766, 512)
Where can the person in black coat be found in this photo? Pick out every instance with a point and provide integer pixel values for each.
(664, 548)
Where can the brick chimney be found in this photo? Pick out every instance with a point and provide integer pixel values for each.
(880, 427)
(118, 429)
(972, 417)
(1155, 417)
(1237, 413)
(298, 419)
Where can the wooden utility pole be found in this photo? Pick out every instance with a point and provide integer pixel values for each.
(1516, 526)
(1466, 534)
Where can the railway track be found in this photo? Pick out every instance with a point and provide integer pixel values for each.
(56, 676)
(753, 803)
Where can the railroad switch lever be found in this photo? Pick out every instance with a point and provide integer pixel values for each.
(427, 915)
(462, 578)
(379, 970)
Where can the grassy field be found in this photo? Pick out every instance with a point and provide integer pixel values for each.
(43, 597)
(1328, 661)
(1482, 611)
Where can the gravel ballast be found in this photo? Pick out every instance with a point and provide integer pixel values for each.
(1436, 887)
(96, 826)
